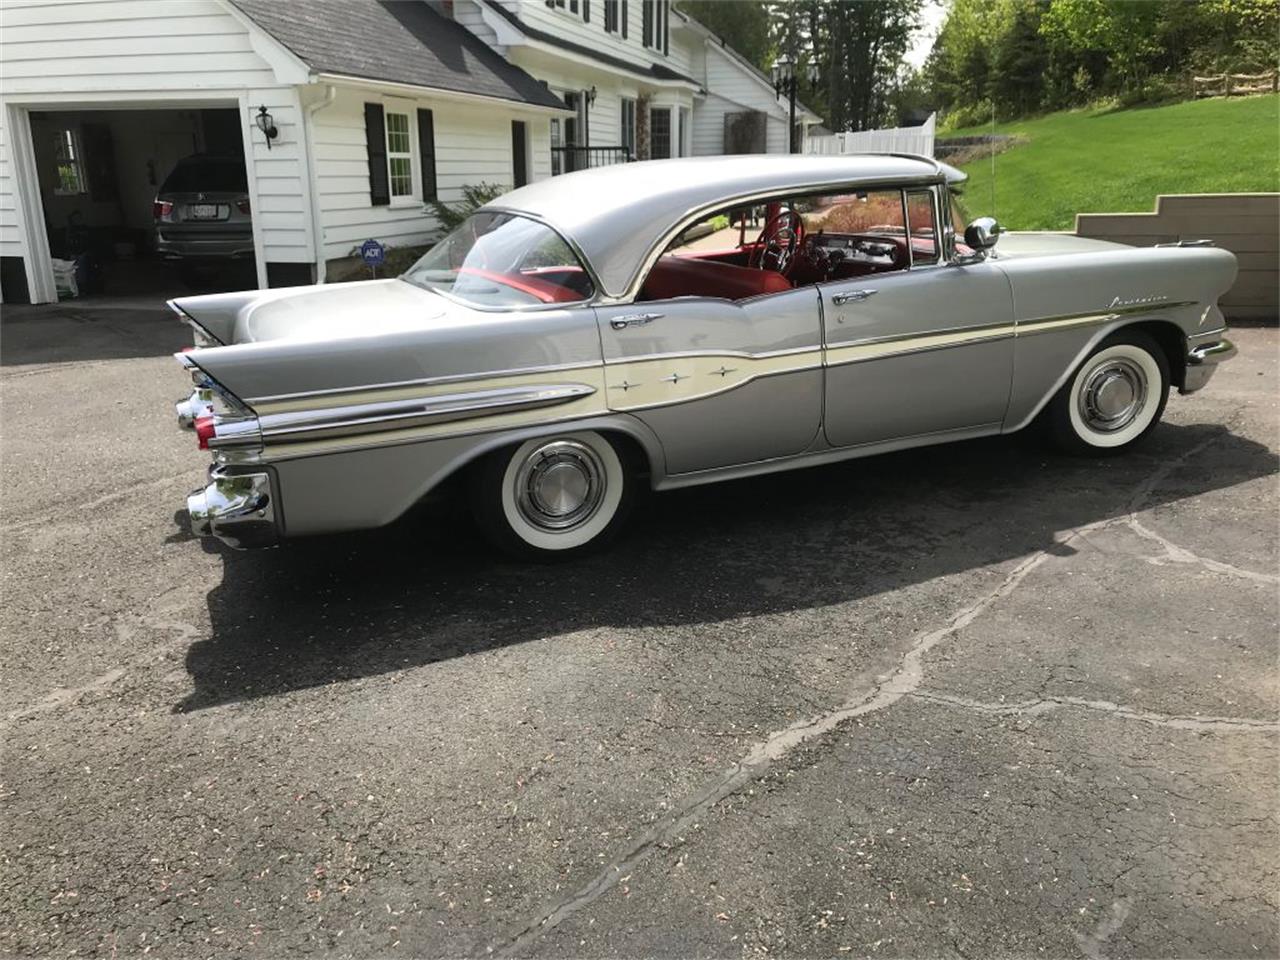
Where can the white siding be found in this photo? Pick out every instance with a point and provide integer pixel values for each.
(132, 53)
(119, 45)
(278, 177)
(708, 127)
(473, 145)
(733, 88)
(11, 242)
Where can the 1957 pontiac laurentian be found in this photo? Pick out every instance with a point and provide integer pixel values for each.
(678, 322)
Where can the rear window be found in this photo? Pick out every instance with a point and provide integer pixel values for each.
(503, 260)
(206, 175)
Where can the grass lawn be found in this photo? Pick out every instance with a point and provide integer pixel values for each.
(1118, 161)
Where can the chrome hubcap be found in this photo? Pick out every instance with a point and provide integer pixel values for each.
(560, 485)
(1113, 394)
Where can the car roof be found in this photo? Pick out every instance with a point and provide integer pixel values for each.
(617, 216)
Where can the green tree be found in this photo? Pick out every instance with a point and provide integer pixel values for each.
(742, 24)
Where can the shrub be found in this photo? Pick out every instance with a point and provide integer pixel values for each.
(474, 196)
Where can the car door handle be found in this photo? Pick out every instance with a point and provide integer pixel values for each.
(853, 296)
(633, 320)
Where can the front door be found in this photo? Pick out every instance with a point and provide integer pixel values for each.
(921, 351)
(720, 382)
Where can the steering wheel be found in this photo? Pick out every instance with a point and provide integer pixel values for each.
(775, 248)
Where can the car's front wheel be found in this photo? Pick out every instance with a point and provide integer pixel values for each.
(1114, 399)
(554, 497)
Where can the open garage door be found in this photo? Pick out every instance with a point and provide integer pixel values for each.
(147, 202)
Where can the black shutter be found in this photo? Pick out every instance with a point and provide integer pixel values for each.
(586, 11)
(519, 154)
(427, 153)
(624, 19)
(375, 139)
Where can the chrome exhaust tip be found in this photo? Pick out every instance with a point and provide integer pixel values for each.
(198, 511)
(238, 509)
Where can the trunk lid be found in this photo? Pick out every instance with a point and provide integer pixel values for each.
(320, 312)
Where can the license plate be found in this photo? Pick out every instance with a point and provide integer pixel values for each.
(203, 211)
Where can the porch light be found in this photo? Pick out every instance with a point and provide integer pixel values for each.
(267, 124)
(783, 69)
(591, 96)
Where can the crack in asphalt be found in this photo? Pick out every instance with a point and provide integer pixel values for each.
(904, 681)
(1045, 704)
(888, 690)
(1173, 553)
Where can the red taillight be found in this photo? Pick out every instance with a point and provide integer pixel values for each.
(161, 208)
(243, 205)
(204, 431)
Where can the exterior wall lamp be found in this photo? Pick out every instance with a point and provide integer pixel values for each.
(267, 124)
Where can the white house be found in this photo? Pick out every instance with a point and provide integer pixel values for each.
(377, 107)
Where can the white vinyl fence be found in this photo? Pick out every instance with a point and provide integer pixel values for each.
(918, 140)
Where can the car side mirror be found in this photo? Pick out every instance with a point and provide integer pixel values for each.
(982, 234)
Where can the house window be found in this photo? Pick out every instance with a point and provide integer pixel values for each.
(660, 133)
(656, 15)
(628, 126)
(399, 154)
(611, 16)
(69, 164)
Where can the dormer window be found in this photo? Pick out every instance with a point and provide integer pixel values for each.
(615, 17)
(657, 25)
(575, 7)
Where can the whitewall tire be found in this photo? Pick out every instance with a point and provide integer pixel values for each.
(554, 497)
(1114, 398)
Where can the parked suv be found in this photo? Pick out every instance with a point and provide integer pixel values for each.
(202, 214)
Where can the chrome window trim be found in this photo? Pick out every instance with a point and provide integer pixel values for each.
(760, 196)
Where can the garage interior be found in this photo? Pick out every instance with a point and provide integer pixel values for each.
(100, 171)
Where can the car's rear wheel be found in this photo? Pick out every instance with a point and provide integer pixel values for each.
(1115, 397)
(554, 497)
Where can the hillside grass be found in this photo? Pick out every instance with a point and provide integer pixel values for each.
(1119, 161)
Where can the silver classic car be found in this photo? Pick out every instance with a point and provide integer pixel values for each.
(677, 322)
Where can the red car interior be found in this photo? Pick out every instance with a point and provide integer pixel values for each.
(691, 277)
(546, 291)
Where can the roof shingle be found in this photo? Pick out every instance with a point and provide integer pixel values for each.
(400, 41)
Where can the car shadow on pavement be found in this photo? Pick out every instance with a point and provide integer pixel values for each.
(428, 588)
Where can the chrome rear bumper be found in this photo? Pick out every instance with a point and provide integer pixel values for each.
(1202, 361)
(238, 509)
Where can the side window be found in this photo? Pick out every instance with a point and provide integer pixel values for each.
(922, 225)
(399, 155)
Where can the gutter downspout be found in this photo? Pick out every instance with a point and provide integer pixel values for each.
(317, 227)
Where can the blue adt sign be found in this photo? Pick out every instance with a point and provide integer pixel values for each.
(372, 253)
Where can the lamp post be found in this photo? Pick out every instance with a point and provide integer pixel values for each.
(784, 81)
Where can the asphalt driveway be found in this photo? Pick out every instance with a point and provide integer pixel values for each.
(979, 700)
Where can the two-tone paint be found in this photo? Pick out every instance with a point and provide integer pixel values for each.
(385, 390)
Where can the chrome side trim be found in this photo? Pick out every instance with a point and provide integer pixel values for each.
(300, 425)
(822, 456)
(1104, 316)
(424, 382)
(691, 354)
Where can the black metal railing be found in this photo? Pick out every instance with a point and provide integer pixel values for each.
(569, 159)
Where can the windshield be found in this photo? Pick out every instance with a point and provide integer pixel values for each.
(503, 260)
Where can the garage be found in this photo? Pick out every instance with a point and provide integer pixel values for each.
(144, 201)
